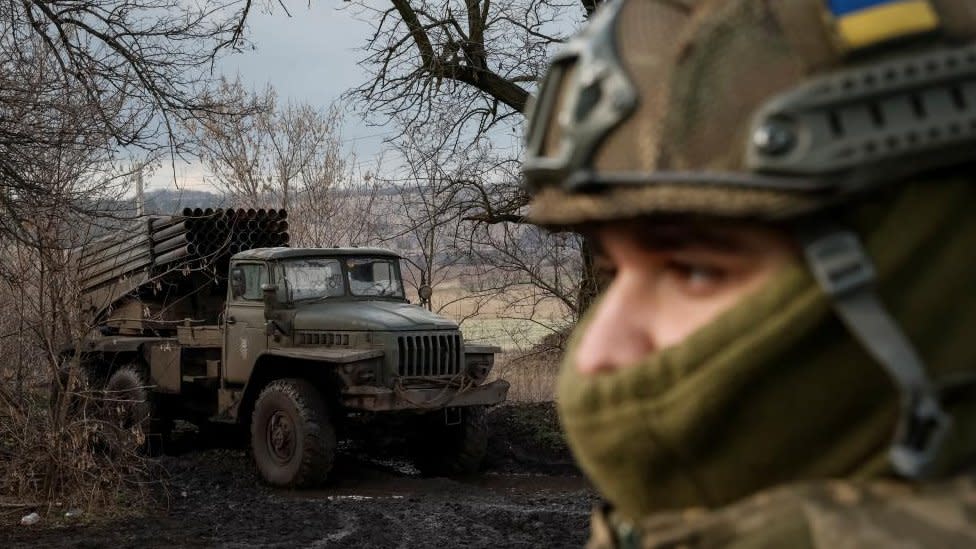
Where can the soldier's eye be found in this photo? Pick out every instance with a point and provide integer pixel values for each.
(697, 277)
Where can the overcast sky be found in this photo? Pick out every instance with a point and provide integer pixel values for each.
(309, 57)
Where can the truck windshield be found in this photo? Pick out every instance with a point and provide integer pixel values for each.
(312, 278)
(374, 276)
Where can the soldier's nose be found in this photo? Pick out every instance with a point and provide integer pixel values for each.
(619, 334)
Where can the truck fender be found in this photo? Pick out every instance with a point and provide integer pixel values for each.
(278, 364)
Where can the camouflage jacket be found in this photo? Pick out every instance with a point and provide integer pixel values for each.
(834, 515)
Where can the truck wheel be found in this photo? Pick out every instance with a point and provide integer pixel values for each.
(451, 450)
(292, 438)
(127, 403)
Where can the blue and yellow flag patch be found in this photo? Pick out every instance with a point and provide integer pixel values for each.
(865, 23)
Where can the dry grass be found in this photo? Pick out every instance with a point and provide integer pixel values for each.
(72, 451)
(532, 375)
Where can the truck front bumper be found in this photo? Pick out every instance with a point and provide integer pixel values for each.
(379, 399)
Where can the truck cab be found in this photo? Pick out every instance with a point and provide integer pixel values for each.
(347, 307)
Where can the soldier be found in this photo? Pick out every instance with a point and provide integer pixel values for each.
(786, 354)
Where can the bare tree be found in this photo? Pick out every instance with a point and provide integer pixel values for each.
(467, 68)
(289, 155)
(49, 452)
(86, 87)
(63, 446)
(477, 59)
(534, 275)
(343, 212)
(121, 71)
(423, 222)
(261, 151)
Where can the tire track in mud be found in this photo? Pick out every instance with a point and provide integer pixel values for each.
(380, 509)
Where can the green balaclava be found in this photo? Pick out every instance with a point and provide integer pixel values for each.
(776, 389)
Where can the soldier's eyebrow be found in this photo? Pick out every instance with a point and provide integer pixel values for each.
(660, 236)
(671, 237)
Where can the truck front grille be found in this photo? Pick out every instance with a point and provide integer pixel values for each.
(430, 355)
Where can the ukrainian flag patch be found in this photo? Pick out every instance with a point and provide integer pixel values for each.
(864, 23)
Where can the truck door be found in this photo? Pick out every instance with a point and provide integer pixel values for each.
(245, 334)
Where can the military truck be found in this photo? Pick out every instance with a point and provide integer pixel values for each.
(210, 317)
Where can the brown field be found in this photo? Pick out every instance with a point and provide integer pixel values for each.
(515, 319)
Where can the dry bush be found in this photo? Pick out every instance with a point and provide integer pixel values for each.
(72, 444)
(76, 447)
(532, 373)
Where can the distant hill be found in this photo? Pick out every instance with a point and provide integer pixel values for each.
(171, 201)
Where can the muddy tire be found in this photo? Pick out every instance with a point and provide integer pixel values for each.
(455, 450)
(292, 437)
(127, 403)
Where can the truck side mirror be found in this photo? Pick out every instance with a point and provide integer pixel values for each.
(237, 285)
(269, 293)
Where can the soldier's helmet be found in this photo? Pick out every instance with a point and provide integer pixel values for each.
(766, 110)
(775, 107)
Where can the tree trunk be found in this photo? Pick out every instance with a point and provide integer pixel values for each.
(592, 282)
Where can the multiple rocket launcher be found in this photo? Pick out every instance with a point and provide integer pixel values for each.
(162, 247)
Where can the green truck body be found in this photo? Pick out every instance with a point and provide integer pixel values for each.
(316, 335)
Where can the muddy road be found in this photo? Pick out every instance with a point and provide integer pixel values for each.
(529, 495)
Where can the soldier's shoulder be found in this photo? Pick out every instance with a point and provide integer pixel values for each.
(832, 515)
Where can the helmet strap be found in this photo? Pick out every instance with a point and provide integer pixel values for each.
(845, 273)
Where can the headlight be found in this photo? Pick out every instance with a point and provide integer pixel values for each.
(359, 373)
(478, 366)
